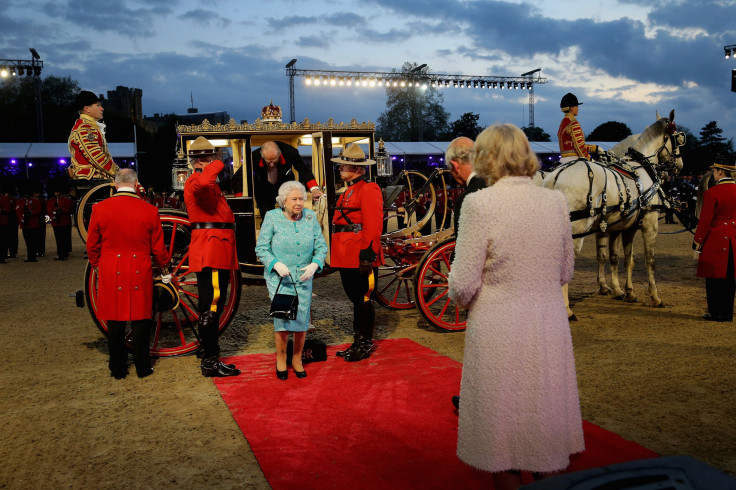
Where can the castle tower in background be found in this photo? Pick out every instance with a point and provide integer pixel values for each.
(125, 101)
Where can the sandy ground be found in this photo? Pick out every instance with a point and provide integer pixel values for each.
(659, 376)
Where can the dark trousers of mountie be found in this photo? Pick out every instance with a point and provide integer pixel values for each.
(119, 355)
(212, 286)
(720, 293)
(359, 288)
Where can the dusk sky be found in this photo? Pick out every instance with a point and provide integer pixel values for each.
(624, 59)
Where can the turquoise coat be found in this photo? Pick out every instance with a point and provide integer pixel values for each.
(296, 244)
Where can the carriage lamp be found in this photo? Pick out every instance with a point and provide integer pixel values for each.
(179, 171)
(384, 167)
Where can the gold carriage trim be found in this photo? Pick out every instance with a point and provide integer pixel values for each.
(258, 125)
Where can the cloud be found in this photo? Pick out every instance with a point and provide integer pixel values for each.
(205, 18)
(112, 17)
(338, 19)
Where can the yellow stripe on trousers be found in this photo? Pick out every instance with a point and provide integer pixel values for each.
(371, 286)
(216, 289)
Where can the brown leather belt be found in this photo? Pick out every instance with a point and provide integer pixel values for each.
(347, 228)
(211, 225)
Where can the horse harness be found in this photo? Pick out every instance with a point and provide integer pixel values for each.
(627, 206)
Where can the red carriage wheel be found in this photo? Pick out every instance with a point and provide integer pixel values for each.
(173, 330)
(431, 288)
(84, 206)
(395, 284)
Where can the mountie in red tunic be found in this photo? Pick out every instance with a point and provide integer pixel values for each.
(572, 139)
(716, 229)
(124, 231)
(212, 246)
(357, 225)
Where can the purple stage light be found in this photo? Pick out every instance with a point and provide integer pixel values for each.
(62, 161)
(13, 161)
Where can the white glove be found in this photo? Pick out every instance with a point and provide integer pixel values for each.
(696, 255)
(166, 279)
(308, 271)
(281, 269)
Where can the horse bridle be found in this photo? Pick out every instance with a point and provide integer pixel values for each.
(677, 140)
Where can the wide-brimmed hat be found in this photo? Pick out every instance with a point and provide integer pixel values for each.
(165, 296)
(201, 148)
(353, 155)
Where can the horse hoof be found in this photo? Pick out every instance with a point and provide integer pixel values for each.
(604, 292)
(572, 318)
(630, 300)
(619, 297)
(657, 305)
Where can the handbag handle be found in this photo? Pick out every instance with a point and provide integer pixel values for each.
(281, 278)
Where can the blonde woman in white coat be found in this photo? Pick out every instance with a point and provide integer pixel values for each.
(520, 409)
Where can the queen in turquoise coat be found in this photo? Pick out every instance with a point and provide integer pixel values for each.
(292, 248)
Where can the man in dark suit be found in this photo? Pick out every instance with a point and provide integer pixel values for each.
(459, 160)
(120, 247)
(273, 164)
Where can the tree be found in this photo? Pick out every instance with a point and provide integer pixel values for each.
(610, 131)
(712, 146)
(467, 126)
(413, 113)
(535, 134)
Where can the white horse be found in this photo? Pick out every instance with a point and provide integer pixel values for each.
(615, 200)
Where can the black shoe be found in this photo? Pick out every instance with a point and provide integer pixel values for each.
(362, 351)
(343, 353)
(213, 368)
(282, 375)
(713, 318)
(200, 352)
(145, 373)
(3, 261)
(118, 374)
(30, 260)
(456, 401)
(300, 374)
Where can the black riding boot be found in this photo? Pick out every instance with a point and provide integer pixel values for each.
(364, 346)
(357, 311)
(209, 323)
(201, 337)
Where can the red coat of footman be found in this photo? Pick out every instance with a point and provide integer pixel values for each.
(716, 230)
(205, 203)
(124, 231)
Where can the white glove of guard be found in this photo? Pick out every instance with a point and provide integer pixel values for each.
(308, 271)
(281, 269)
(696, 255)
(166, 278)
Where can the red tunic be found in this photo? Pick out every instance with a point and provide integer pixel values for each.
(716, 229)
(120, 245)
(60, 210)
(29, 212)
(572, 139)
(88, 148)
(362, 203)
(6, 207)
(205, 203)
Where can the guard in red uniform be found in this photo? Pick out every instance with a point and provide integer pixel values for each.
(90, 156)
(30, 213)
(120, 246)
(60, 209)
(356, 246)
(715, 239)
(7, 209)
(212, 252)
(570, 134)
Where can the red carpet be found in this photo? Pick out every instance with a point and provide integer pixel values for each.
(385, 422)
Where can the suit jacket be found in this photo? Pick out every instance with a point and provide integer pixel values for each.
(205, 203)
(716, 229)
(474, 184)
(266, 192)
(120, 246)
(361, 203)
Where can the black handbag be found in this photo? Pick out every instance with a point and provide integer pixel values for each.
(314, 350)
(284, 305)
